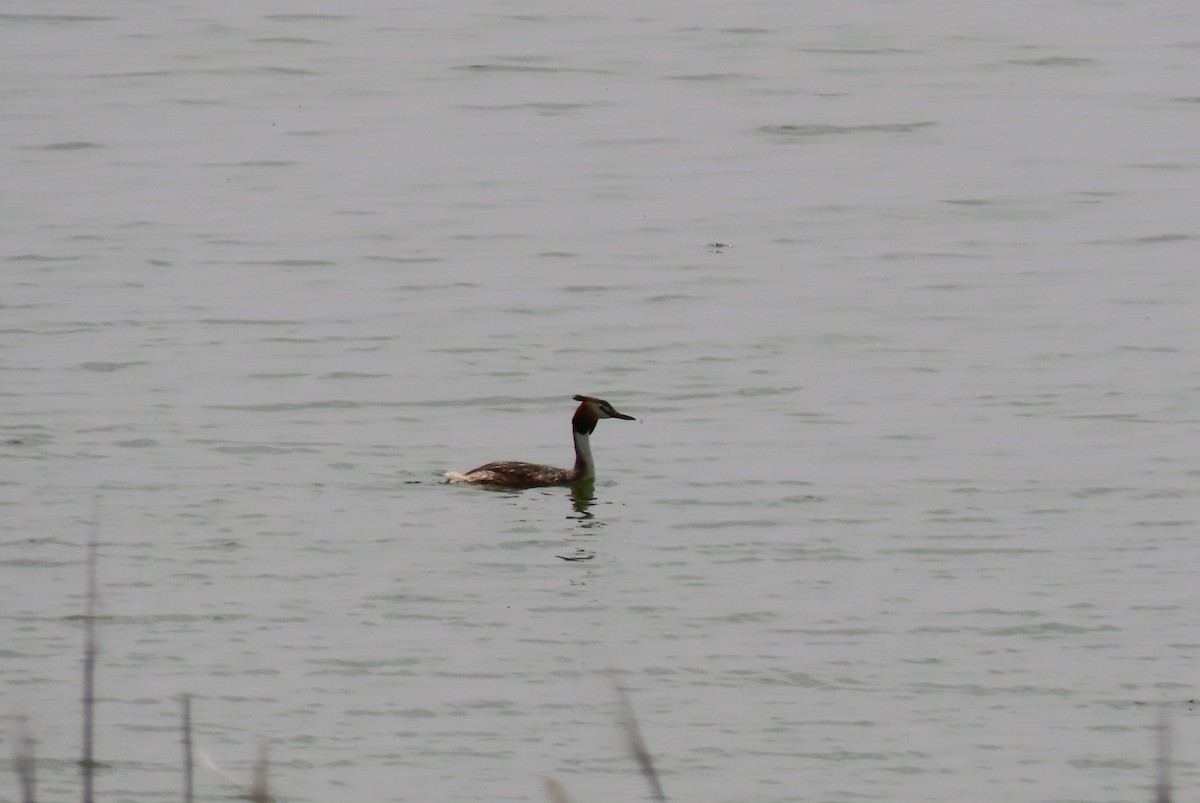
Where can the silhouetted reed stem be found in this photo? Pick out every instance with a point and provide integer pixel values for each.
(186, 701)
(637, 745)
(87, 762)
(260, 790)
(555, 791)
(1162, 789)
(23, 761)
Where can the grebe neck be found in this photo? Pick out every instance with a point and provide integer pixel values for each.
(585, 467)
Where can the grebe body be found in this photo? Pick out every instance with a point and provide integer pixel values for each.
(514, 474)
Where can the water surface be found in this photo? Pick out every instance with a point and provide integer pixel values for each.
(902, 295)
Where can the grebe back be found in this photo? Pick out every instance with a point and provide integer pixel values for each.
(514, 474)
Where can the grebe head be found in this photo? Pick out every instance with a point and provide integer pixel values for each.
(591, 410)
(602, 409)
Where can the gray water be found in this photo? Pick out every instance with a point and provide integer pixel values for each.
(903, 296)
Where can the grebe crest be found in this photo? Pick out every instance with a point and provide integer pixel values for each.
(514, 474)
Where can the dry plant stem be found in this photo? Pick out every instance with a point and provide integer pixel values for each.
(87, 761)
(637, 745)
(555, 791)
(259, 789)
(23, 761)
(1162, 789)
(186, 703)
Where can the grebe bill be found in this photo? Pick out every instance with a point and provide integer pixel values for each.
(514, 474)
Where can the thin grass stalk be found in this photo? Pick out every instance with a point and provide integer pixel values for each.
(24, 761)
(188, 778)
(87, 761)
(260, 791)
(555, 791)
(637, 745)
(1162, 788)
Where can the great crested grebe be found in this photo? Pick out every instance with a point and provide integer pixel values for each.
(513, 474)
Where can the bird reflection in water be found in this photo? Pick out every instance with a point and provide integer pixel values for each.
(583, 496)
